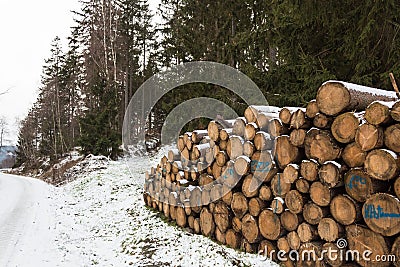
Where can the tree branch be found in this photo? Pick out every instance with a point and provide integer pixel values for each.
(394, 84)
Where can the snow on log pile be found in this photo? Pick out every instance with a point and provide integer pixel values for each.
(323, 173)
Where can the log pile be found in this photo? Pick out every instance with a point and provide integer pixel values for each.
(292, 178)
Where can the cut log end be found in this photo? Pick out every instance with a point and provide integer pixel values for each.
(382, 164)
(381, 213)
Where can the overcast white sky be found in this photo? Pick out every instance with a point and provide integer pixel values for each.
(27, 28)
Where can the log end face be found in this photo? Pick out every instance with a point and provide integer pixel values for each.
(332, 98)
(381, 213)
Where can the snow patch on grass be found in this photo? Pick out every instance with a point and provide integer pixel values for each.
(101, 220)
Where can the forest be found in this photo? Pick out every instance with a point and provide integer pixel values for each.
(288, 48)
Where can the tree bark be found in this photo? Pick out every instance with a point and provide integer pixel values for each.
(334, 97)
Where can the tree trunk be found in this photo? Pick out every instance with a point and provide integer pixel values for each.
(331, 173)
(353, 155)
(198, 135)
(256, 205)
(285, 115)
(239, 126)
(207, 224)
(237, 224)
(369, 137)
(199, 151)
(252, 112)
(382, 164)
(283, 245)
(303, 186)
(313, 214)
(181, 143)
(174, 155)
(378, 112)
(269, 225)
(360, 186)
(250, 229)
(221, 158)
(263, 120)
(322, 121)
(290, 221)
(220, 237)
(277, 205)
(242, 165)
(250, 186)
(395, 112)
(239, 205)
(334, 97)
(233, 239)
(285, 152)
(294, 201)
(276, 128)
(396, 251)
(263, 166)
(291, 173)
(362, 239)
(299, 120)
(320, 194)
(181, 219)
(307, 232)
(309, 170)
(263, 141)
(224, 134)
(222, 216)
(331, 260)
(248, 149)
(321, 146)
(345, 210)
(297, 137)
(397, 187)
(392, 137)
(293, 240)
(312, 109)
(344, 127)
(234, 147)
(279, 187)
(265, 193)
(381, 213)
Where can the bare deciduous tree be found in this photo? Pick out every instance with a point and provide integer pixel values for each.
(3, 129)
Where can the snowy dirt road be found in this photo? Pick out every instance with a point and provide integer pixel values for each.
(25, 222)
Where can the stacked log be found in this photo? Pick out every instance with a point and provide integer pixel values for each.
(291, 178)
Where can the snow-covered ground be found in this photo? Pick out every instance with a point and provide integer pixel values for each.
(100, 220)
